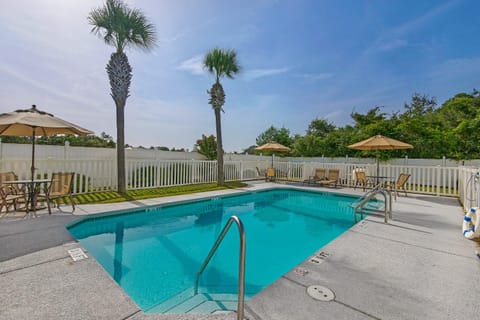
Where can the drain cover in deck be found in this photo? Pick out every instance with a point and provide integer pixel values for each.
(321, 293)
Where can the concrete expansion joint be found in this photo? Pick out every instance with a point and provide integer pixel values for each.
(294, 281)
(34, 265)
(335, 300)
(415, 245)
(356, 309)
(131, 314)
(252, 315)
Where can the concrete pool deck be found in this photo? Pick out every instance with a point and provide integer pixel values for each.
(418, 266)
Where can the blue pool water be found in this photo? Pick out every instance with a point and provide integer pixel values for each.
(154, 254)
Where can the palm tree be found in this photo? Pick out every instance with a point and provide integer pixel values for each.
(121, 27)
(220, 63)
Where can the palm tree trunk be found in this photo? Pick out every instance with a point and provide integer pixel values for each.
(220, 173)
(120, 74)
(121, 181)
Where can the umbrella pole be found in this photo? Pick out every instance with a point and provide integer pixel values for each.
(32, 169)
(378, 170)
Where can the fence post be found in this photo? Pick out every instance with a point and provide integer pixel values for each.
(241, 170)
(66, 149)
(438, 179)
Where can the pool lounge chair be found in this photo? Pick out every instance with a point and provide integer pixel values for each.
(270, 174)
(320, 174)
(332, 178)
(399, 184)
(261, 173)
(361, 179)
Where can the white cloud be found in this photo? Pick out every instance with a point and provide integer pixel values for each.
(457, 66)
(260, 73)
(392, 45)
(311, 77)
(393, 38)
(193, 65)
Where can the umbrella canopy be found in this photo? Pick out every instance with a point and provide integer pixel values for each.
(33, 122)
(273, 146)
(380, 142)
(38, 123)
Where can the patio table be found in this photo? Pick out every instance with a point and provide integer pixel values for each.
(32, 188)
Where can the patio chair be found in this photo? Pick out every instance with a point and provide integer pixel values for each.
(261, 173)
(320, 174)
(399, 184)
(10, 193)
(361, 179)
(270, 174)
(332, 178)
(60, 187)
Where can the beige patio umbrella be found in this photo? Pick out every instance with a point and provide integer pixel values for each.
(379, 142)
(33, 122)
(274, 147)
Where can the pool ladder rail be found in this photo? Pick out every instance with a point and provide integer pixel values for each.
(241, 262)
(378, 189)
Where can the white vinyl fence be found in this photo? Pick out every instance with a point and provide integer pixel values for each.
(100, 175)
(95, 169)
(469, 190)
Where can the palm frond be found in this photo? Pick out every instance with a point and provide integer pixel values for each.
(122, 27)
(221, 62)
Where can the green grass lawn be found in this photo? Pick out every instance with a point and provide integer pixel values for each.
(112, 196)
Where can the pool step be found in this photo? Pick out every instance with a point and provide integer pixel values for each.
(205, 303)
(202, 303)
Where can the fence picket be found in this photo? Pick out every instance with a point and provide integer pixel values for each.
(100, 174)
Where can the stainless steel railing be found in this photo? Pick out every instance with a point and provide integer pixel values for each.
(378, 189)
(241, 263)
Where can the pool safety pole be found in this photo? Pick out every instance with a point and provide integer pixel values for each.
(241, 262)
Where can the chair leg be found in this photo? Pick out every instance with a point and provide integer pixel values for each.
(73, 203)
(48, 205)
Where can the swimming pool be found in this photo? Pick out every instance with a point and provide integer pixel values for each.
(154, 253)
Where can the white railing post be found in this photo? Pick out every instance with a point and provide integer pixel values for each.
(241, 170)
(438, 182)
(66, 150)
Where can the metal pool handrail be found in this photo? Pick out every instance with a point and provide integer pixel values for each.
(369, 195)
(241, 262)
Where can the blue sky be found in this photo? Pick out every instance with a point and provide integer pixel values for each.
(300, 60)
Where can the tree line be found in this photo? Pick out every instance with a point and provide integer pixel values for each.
(102, 141)
(451, 130)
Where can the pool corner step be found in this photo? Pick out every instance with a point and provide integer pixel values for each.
(202, 303)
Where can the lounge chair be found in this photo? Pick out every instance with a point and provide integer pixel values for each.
(261, 173)
(10, 193)
(332, 178)
(399, 184)
(361, 179)
(320, 174)
(60, 187)
(270, 174)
